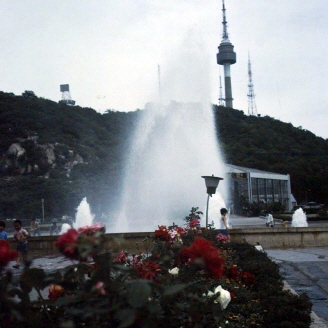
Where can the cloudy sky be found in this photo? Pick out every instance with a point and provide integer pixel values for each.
(109, 52)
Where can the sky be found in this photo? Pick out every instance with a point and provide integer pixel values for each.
(123, 54)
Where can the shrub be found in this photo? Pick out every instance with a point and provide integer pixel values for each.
(191, 278)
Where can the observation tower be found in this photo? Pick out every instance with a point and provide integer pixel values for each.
(66, 95)
(226, 57)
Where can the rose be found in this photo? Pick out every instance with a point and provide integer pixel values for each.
(223, 298)
(67, 244)
(174, 271)
(55, 291)
(92, 229)
(6, 254)
(121, 257)
(194, 223)
(202, 252)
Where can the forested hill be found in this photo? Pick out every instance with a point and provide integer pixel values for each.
(61, 154)
(268, 144)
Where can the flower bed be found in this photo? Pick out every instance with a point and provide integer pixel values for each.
(191, 278)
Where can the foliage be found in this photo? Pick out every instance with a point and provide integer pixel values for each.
(189, 279)
(268, 144)
(102, 140)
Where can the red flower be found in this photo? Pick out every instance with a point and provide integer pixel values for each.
(90, 230)
(121, 258)
(233, 272)
(202, 250)
(55, 291)
(181, 230)
(148, 269)
(247, 278)
(194, 223)
(162, 233)
(67, 244)
(6, 254)
(92, 268)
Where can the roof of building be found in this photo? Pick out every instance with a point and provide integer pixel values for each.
(240, 169)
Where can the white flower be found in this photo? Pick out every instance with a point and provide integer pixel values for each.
(174, 271)
(224, 297)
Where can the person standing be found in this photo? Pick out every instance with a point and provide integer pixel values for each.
(20, 236)
(54, 229)
(224, 219)
(35, 228)
(3, 233)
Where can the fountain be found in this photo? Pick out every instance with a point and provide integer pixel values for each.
(174, 144)
(299, 219)
(83, 217)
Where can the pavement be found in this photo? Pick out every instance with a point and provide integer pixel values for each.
(305, 270)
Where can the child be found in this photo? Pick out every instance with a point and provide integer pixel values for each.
(224, 213)
(20, 236)
(54, 229)
(35, 229)
(3, 233)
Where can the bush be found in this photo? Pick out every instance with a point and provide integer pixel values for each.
(191, 278)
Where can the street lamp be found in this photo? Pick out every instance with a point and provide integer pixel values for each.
(211, 183)
(42, 201)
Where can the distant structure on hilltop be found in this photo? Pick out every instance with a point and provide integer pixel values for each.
(66, 95)
(252, 110)
(226, 57)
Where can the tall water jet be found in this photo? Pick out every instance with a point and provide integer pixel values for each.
(173, 146)
(83, 216)
(299, 219)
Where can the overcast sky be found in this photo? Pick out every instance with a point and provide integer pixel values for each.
(108, 51)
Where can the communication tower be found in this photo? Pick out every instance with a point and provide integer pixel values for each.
(252, 110)
(221, 99)
(66, 95)
(226, 57)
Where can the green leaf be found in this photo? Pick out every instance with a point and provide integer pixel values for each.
(174, 289)
(34, 278)
(126, 317)
(139, 293)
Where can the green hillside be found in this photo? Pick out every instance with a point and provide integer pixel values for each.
(61, 154)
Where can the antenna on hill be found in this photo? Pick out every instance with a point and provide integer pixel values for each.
(252, 110)
(66, 95)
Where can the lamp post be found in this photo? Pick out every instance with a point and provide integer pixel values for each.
(42, 201)
(211, 183)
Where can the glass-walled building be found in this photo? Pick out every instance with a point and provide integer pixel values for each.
(253, 190)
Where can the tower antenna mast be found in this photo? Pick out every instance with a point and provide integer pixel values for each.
(221, 99)
(226, 57)
(252, 110)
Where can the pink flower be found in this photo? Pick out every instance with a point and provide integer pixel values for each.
(67, 244)
(121, 257)
(90, 230)
(222, 238)
(6, 254)
(100, 288)
(181, 230)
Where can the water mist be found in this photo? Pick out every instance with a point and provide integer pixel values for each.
(173, 146)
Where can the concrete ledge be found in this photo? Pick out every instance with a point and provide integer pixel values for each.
(282, 237)
(137, 241)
